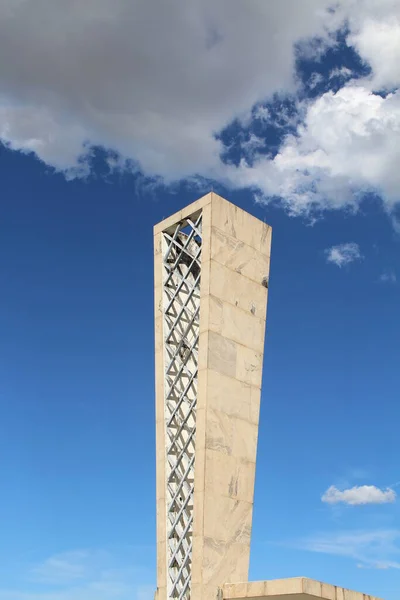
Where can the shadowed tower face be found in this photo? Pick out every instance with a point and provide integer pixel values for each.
(211, 287)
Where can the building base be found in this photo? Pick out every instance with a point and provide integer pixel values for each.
(298, 588)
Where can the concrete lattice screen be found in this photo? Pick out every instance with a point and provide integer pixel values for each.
(181, 257)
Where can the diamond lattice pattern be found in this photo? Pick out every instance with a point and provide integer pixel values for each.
(181, 300)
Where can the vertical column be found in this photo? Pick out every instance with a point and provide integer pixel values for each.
(211, 282)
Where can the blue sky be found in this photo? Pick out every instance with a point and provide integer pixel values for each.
(104, 134)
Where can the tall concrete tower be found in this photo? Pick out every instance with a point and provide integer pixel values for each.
(211, 288)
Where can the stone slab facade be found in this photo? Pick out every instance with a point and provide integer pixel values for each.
(211, 288)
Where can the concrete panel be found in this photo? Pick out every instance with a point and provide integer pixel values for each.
(237, 290)
(238, 256)
(239, 224)
(221, 354)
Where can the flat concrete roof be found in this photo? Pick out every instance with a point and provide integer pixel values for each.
(298, 588)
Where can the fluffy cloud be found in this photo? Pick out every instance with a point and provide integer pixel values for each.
(375, 35)
(342, 72)
(364, 494)
(343, 254)
(347, 144)
(152, 81)
(157, 84)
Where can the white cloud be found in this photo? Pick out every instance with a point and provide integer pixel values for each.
(375, 35)
(378, 549)
(56, 139)
(343, 254)
(388, 276)
(153, 81)
(253, 143)
(262, 113)
(357, 495)
(347, 144)
(281, 117)
(157, 83)
(341, 72)
(315, 79)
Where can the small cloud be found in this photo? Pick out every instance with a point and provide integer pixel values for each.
(262, 114)
(252, 144)
(281, 115)
(388, 277)
(315, 79)
(343, 72)
(343, 254)
(357, 495)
